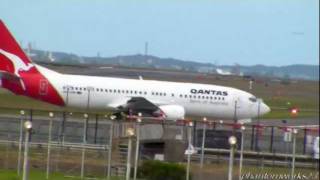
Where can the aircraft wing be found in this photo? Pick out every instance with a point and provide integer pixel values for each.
(136, 104)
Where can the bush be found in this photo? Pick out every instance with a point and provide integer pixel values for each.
(158, 170)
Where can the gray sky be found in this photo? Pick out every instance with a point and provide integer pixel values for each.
(270, 32)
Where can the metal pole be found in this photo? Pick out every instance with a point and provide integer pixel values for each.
(271, 139)
(194, 131)
(20, 142)
(252, 136)
(304, 140)
(258, 128)
(235, 120)
(110, 150)
(129, 158)
(62, 127)
(203, 144)
(83, 144)
(96, 129)
(49, 145)
(241, 153)
(232, 142)
(231, 163)
(137, 151)
(26, 153)
(293, 154)
(189, 154)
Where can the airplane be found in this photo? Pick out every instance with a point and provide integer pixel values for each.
(159, 99)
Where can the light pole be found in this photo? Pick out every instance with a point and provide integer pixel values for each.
(243, 128)
(49, 144)
(28, 128)
(110, 147)
(190, 149)
(232, 141)
(130, 134)
(22, 113)
(84, 141)
(258, 127)
(203, 141)
(137, 146)
(295, 132)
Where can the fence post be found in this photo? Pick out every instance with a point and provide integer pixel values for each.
(20, 140)
(271, 139)
(61, 133)
(252, 136)
(96, 129)
(304, 140)
(110, 148)
(84, 143)
(49, 144)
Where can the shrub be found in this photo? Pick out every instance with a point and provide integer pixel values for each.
(158, 170)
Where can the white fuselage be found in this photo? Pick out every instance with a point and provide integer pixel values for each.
(93, 92)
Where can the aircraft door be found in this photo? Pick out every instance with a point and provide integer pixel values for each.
(43, 87)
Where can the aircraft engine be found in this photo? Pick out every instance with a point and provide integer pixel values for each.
(173, 112)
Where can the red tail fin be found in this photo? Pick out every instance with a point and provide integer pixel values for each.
(20, 75)
(12, 57)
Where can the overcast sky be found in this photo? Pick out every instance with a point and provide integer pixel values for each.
(270, 32)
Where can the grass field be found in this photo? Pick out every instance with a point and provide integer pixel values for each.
(41, 175)
(219, 171)
(34, 175)
(67, 163)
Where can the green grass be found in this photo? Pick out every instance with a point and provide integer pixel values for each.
(41, 175)
(34, 175)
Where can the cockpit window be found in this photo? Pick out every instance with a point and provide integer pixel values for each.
(253, 99)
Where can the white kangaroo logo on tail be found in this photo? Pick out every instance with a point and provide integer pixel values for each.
(18, 64)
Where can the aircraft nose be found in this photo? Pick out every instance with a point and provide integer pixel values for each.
(264, 109)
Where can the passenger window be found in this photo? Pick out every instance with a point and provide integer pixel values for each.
(253, 99)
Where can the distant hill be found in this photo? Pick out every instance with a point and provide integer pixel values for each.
(297, 71)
